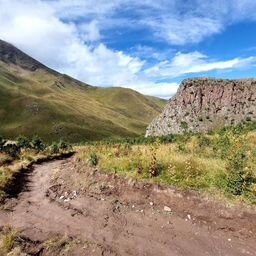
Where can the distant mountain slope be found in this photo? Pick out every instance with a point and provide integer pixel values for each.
(204, 104)
(36, 100)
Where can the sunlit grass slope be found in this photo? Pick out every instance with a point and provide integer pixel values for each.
(54, 106)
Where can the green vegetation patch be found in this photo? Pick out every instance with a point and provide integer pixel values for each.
(223, 162)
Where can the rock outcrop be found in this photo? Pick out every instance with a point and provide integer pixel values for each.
(203, 104)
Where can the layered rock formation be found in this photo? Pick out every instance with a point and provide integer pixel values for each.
(203, 104)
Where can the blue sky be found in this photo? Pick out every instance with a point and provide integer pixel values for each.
(149, 46)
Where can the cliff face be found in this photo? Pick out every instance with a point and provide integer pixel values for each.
(203, 104)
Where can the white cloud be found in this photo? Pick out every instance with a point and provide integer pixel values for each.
(89, 32)
(49, 31)
(177, 22)
(187, 30)
(33, 27)
(161, 90)
(195, 62)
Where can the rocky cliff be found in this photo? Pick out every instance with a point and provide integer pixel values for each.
(203, 104)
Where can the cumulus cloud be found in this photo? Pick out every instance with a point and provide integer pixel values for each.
(195, 62)
(69, 37)
(33, 27)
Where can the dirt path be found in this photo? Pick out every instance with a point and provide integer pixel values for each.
(125, 219)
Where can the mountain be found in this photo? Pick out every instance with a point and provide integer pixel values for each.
(36, 100)
(204, 104)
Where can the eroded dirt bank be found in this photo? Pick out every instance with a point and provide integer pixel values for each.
(110, 215)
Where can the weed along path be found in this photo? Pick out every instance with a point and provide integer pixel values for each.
(110, 215)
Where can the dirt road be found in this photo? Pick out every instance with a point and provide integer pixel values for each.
(115, 216)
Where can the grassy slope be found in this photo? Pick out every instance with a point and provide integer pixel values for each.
(55, 106)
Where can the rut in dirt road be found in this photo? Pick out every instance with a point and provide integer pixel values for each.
(127, 221)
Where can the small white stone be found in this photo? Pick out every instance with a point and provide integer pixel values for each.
(67, 200)
(133, 206)
(167, 209)
(151, 203)
(189, 217)
(229, 239)
(61, 197)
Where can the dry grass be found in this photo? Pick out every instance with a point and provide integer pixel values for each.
(5, 159)
(60, 245)
(8, 242)
(174, 168)
(198, 163)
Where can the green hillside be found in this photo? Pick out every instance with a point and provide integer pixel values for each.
(35, 100)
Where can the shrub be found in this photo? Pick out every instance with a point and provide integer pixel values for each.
(54, 148)
(37, 144)
(240, 172)
(187, 174)
(64, 146)
(223, 142)
(12, 150)
(154, 168)
(182, 146)
(93, 160)
(23, 142)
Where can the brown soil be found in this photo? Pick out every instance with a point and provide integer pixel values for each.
(109, 215)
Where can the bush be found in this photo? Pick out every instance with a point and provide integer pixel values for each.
(23, 142)
(240, 171)
(182, 147)
(54, 148)
(37, 144)
(154, 167)
(187, 173)
(12, 150)
(93, 160)
(64, 146)
(223, 142)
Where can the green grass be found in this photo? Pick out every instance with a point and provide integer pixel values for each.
(55, 106)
